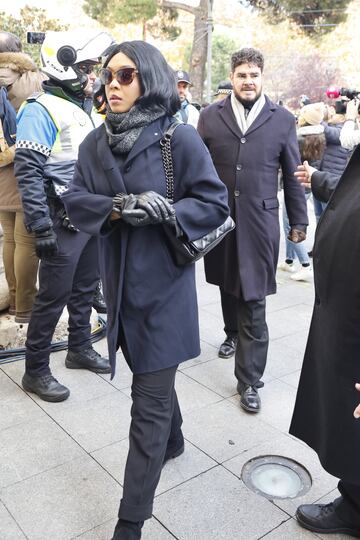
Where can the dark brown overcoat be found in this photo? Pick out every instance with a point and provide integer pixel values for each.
(326, 398)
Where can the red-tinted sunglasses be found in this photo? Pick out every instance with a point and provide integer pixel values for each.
(124, 76)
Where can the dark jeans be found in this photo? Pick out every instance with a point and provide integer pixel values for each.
(247, 321)
(348, 507)
(155, 425)
(68, 278)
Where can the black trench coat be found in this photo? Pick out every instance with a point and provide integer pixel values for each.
(152, 306)
(248, 165)
(326, 398)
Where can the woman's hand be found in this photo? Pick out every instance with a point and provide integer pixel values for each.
(304, 173)
(156, 206)
(357, 410)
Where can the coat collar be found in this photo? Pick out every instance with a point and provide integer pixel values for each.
(150, 135)
(228, 116)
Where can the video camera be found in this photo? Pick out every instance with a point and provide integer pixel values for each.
(333, 92)
(35, 37)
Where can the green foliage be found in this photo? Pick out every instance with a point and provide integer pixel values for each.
(159, 21)
(31, 20)
(222, 49)
(314, 17)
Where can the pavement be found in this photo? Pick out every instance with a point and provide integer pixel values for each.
(62, 464)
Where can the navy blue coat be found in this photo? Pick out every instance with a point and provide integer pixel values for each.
(335, 157)
(245, 262)
(152, 305)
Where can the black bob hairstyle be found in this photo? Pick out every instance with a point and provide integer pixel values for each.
(157, 79)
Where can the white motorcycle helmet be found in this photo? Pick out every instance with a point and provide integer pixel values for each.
(61, 52)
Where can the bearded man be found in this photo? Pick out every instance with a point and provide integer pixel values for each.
(250, 138)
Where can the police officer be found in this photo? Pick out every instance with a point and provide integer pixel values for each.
(51, 126)
(188, 113)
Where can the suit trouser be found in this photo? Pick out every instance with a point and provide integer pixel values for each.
(68, 278)
(155, 425)
(348, 507)
(20, 261)
(247, 321)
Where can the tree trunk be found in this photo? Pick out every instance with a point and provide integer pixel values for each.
(199, 51)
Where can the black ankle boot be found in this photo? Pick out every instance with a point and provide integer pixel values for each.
(127, 530)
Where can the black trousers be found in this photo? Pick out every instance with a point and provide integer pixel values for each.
(68, 278)
(247, 321)
(348, 506)
(155, 424)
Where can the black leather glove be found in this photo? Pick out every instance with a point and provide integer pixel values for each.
(46, 243)
(297, 235)
(126, 207)
(157, 207)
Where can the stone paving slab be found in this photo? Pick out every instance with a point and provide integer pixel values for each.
(224, 509)
(9, 529)
(152, 530)
(63, 502)
(289, 530)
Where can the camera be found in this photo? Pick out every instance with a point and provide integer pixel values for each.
(35, 37)
(340, 105)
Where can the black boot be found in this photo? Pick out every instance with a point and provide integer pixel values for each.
(227, 349)
(46, 387)
(87, 359)
(174, 448)
(127, 530)
(98, 300)
(250, 400)
(323, 518)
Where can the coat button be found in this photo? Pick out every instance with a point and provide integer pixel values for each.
(127, 168)
(243, 140)
(238, 167)
(236, 192)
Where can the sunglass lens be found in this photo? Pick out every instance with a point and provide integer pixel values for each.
(105, 76)
(125, 76)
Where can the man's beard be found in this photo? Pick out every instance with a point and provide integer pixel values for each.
(248, 103)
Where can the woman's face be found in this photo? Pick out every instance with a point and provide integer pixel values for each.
(122, 97)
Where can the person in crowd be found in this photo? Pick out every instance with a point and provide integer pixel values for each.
(327, 400)
(51, 126)
(223, 90)
(118, 192)
(350, 132)
(20, 76)
(311, 139)
(249, 139)
(188, 113)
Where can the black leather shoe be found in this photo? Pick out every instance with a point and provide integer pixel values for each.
(127, 530)
(98, 300)
(227, 349)
(175, 449)
(250, 399)
(46, 387)
(87, 359)
(322, 518)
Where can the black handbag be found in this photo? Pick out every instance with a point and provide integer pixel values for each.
(185, 251)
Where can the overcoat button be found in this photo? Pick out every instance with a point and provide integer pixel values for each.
(243, 140)
(236, 192)
(238, 167)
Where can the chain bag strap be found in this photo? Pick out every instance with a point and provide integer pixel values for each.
(183, 251)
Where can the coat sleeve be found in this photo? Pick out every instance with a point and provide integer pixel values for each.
(294, 193)
(88, 211)
(323, 185)
(200, 196)
(332, 134)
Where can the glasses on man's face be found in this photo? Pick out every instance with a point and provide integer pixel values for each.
(87, 69)
(124, 76)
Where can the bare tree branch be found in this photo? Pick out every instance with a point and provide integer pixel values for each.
(179, 5)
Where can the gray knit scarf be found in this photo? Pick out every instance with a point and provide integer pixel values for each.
(123, 129)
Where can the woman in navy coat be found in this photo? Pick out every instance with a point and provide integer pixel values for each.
(118, 193)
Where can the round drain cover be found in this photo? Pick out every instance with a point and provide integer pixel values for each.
(276, 477)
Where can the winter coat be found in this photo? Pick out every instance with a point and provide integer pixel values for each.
(326, 397)
(245, 262)
(152, 306)
(22, 78)
(335, 156)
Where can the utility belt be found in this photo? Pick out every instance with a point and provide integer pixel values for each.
(57, 209)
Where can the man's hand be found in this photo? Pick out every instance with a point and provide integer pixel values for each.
(357, 410)
(46, 243)
(304, 173)
(352, 109)
(296, 235)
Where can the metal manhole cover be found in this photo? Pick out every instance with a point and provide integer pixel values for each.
(276, 477)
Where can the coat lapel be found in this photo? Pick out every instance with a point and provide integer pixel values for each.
(149, 136)
(108, 162)
(228, 117)
(265, 113)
